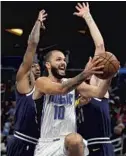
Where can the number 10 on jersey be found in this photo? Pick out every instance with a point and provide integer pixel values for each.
(59, 112)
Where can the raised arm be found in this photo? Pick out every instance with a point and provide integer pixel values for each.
(46, 86)
(84, 12)
(24, 74)
(31, 48)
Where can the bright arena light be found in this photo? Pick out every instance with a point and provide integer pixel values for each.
(15, 31)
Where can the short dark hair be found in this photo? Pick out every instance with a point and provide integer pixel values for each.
(47, 56)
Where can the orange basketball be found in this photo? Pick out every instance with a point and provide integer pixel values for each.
(110, 62)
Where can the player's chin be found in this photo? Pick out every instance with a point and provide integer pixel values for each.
(62, 72)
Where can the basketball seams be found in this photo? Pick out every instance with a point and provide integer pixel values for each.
(109, 58)
(110, 63)
(113, 64)
(110, 68)
(105, 58)
(107, 65)
(107, 74)
(102, 57)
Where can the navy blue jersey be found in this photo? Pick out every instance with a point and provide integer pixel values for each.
(96, 119)
(26, 115)
(27, 125)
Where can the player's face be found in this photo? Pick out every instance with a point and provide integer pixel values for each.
(36, 70)
(58, 64)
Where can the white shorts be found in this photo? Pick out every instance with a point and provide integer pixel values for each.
(55, 148)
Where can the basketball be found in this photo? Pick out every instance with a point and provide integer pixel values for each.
(110, 62)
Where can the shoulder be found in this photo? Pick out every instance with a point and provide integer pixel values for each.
(42, 79)
(23, 85)
(43, 82)
(39, 86)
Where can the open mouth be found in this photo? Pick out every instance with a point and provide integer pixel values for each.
(62, 68)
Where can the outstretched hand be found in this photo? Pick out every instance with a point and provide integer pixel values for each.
(42, 17)
(91, 67)
(82, 9)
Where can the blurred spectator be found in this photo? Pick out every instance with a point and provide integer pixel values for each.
(12, 109)
(7, 113)
(6, 128)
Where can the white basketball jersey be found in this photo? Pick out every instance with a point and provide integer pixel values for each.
(58, 116)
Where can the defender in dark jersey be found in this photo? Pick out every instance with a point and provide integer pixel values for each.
(27, 131)
(94, 124)
(96, 127)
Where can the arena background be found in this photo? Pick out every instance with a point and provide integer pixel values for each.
(68, 33)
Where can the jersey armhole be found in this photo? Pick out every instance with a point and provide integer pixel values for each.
(27, 94)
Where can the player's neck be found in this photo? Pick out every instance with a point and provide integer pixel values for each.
(54, 79)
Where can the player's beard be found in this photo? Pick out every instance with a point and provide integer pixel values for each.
(56, 74)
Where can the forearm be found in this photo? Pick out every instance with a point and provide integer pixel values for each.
(32, 44)
(103, 87)
(72, 83)
(35, 33)
(95, 33)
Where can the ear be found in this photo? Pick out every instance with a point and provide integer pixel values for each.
(48, 66)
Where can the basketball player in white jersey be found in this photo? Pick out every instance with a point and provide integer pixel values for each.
(58, 125)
